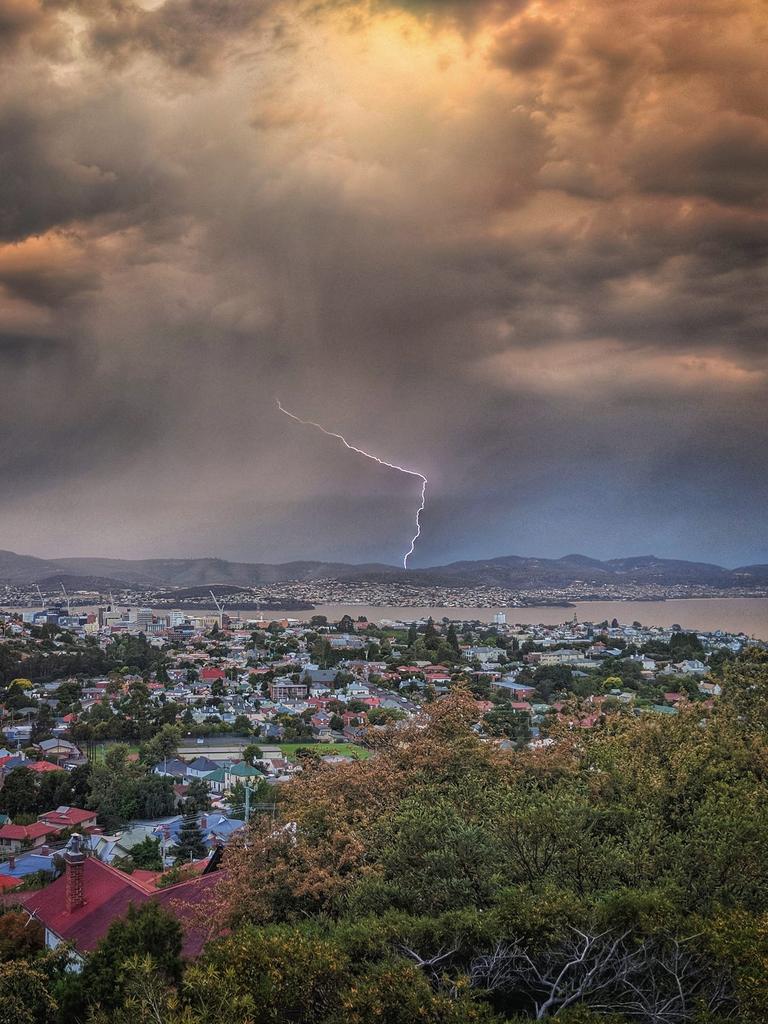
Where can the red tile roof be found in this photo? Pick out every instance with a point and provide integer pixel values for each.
(67, 817)
(44, 766)
(211, 673)
(22, 832)
(108, 894)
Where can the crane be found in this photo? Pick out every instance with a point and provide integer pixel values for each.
(39, 591)
(66, 597)
(219, 608)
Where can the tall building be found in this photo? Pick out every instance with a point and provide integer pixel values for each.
(500, 618)
(143, 617)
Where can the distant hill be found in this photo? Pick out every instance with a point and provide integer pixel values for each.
(512, 571)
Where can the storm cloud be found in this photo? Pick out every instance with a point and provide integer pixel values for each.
(518, 247)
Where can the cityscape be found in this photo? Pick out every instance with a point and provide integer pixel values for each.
(383, 549)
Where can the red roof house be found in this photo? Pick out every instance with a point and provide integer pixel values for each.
(209, 674)
(14, 837)
(80, 906)
(43, 766)
(68, 817)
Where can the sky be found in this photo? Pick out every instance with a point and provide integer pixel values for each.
(518, 247)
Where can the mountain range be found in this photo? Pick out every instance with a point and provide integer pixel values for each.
(511, 571)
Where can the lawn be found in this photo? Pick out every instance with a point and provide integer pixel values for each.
(348, 749)
(101, 748)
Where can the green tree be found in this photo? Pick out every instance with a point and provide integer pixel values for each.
(745, 689)
(198, 799)
(147, 855)
(20, 937)
(147, 930)
(164, 745)
(190, 844)
(237, 801)
(19, 792)
(242, 725)
(25, 994)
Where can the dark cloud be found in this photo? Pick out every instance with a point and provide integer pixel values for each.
(190, 35)
(24, 349)
(524, 253)
(76, 158)
(527, 45)
(724, 159)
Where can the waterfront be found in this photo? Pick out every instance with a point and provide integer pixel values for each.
(732, 614)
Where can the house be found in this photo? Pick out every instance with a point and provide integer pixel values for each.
(321, 725)
(43, 766)
(217, 828)
(321, 680)
(14, 838)
(244, 773)
(201, 767)
(114, 847)
(485, 655)
(60, 750)
(510, 688)
(80, 906)
(217, 781)
(354, 733)
(18, 867)
(211, 674)
(69, 817)
(710, 689)
(692, 667)
(689, 667)
(172, 767)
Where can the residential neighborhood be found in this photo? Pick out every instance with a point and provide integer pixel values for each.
(135, 745)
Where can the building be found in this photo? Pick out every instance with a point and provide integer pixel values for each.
(80, 906)
(69, 817)
(321, 725)
(244, 773)
(201, 767)
(60, 751)
(285, 689)
(14, 838)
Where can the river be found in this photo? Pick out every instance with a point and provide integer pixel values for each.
(734, 614)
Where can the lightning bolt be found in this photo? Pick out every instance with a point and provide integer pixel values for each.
(373, 458)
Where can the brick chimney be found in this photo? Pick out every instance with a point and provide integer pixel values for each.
(11, 862)
(74, 858)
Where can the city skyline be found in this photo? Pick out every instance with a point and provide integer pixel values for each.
(517, 246)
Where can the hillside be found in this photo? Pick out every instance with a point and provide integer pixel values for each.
(511, 571)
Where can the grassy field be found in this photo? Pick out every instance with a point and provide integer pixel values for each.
(101, 749)
(347, 749)
(288, 749)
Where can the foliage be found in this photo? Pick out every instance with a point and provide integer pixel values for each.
(121, 790)
(190, 844)
(618, 875)
(145, 931)
(147, 855)
(198, 799)
(25, 994)
(20, 938)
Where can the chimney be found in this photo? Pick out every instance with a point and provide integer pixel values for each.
(74, 859)
(45, 851)
(11, 862)
(203, 821)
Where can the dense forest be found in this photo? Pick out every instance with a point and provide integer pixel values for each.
(616, 875)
